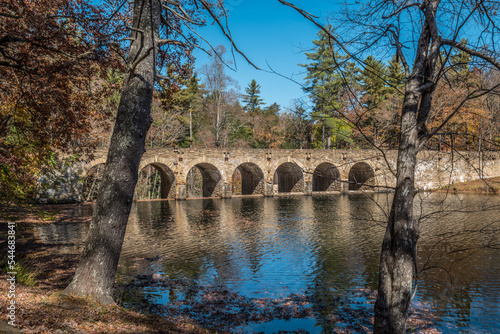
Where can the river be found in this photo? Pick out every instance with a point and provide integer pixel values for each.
(303, 263)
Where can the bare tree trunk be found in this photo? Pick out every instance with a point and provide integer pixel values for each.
(397, 260)
(191, 128)
(96, 271)
(399, 247)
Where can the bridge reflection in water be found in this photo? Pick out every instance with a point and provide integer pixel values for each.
(325, 249)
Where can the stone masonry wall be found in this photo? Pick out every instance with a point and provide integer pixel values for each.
(434, 169)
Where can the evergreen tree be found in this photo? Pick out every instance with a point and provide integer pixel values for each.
(180, 97)
(272, 110)
(252, 99)
(395, 75)
(373, 84)
(325, 80)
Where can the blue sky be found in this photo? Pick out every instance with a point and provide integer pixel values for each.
(270, 34)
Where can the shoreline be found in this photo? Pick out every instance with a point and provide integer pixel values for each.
(42, 306)
(487, 186)
(35, 213)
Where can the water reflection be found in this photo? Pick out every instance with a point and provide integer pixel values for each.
(322, 247)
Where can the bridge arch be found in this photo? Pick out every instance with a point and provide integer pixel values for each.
(156, 180)
(361, 175)
(326, 177)
(92, 177)
(289, 176)
(248, 179)
(204, 179)
(92, 164)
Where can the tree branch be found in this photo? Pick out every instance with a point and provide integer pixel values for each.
(493, 61)
(170, 42)
(226, 33)
(400, 10)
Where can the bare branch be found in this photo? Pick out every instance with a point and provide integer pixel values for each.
(159, 76)
(400, 10)
(185, 18)
(138, 60)
(135, 29)
(170, 42)
(399, 51)
(226, 33)
(188, 43)
(492, 60)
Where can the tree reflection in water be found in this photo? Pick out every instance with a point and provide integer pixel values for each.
(314, 257)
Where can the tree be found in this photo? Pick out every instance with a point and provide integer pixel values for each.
(180, 96)
(267, 132)
(96, 270)
(252, 98)
(53, 60)
(298, 127)
(438, 26)
(376, 119)
(373, 78)
(218, 84)
(395, 75)
(324, 83)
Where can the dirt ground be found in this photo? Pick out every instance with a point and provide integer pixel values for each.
(44, 308)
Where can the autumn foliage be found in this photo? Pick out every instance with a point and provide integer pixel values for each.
(53, 55)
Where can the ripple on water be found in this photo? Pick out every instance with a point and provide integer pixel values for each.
(321, 247)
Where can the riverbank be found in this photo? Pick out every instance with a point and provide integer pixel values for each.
(42, 307)
(49, 213)
(489, 185)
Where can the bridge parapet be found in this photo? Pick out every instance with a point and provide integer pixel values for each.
(270, 172)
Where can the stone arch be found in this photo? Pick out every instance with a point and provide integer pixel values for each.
(278, 162)
(92, 177)
(288, 177)
(166, 188)
(92, 164)
(204, 180)
(326, 177)
(248, 179)
(187, 166)
(361, 176)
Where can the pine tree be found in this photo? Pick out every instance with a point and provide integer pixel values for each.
(272, 110)
(252, 99)
(395, 75)
(324, 83)
(373, 84)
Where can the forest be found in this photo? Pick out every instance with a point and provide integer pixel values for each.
(349, 107)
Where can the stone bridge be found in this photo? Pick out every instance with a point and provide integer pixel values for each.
(266, 172)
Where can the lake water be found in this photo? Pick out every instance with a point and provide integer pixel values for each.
(303, 263)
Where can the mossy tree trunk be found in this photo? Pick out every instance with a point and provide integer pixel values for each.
(96, 271)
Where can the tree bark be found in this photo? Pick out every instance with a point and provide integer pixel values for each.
(398, 256)
(96, 271)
